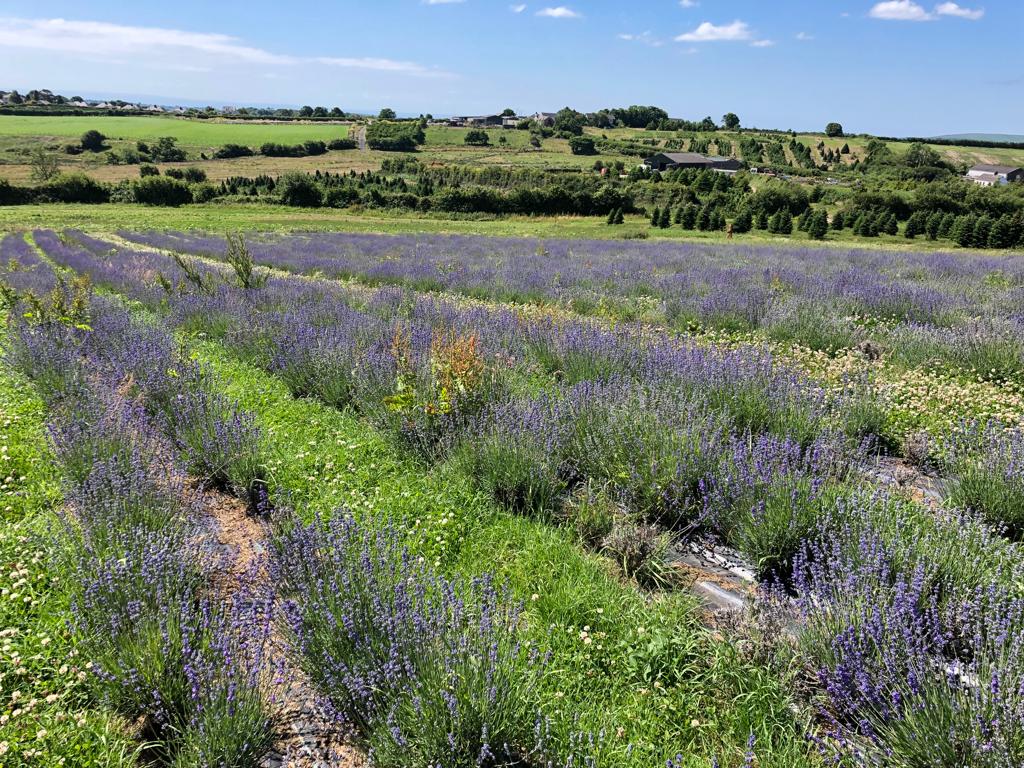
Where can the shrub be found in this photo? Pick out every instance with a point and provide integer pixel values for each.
(229, 151)
(513, 467)
(582, 145)
(93, 141)
(204, 193)
(394, 137)
(73, 188)
(194, 175)
(299, 189)
(477, 138)
(163, 191)
(341, 144)
(313, 148)
(166, 151)
(148, 170)
(11, 195)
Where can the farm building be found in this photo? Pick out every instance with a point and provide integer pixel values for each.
(475, 121)
(667, 161)
(994, 175)
(544, 118)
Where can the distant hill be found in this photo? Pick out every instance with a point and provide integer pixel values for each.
(1011, 138)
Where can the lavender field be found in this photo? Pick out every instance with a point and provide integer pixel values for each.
(440, 501)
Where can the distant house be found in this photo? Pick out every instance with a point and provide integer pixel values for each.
(510, 121)
(546, 119)
(476, 121)
(994, 175)
(485, 121)
(668, 161)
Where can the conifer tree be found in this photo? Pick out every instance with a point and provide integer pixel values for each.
(656, 217)
(1001, 234)
(982, 227)
(817, 228)
(890, 224)
(963, 231)
(948, 220)
(704, 219)
(743, 222)
(690, 216)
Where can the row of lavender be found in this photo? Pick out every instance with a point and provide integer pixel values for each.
(681, 434)
(918, 307)
(161, 647)
(911, 622)
(429, 670)
(359, 347)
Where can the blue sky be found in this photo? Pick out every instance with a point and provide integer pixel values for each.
(897, 68)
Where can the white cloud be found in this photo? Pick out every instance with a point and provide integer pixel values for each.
(804, 36)
(952, 9)
(517, 8)
(380, 65)
(709, 33)
(900, 10)
(688, 3)
(99, 39)
(762, 43)
(154, 46)
(647, 38)
(907, 10)
(561, 12)
(441, 2)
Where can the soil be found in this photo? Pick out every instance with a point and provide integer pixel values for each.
(308, 737)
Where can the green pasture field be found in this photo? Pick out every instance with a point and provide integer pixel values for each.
(232, 217)
(21, 135)
(188, 132)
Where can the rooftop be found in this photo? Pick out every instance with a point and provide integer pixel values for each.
(996, 169)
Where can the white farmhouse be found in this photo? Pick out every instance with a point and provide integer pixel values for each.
(994, 175)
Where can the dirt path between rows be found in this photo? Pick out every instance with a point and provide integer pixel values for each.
(307, 737)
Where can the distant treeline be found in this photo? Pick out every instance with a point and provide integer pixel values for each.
(961, 142)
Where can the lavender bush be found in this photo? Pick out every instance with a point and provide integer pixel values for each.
(430, 671)
(916, 668)
(988, 467)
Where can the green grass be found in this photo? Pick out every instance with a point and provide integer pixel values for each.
(233, 217)
(457, 136)
(46, 716)
(649, 675)
(195, 133)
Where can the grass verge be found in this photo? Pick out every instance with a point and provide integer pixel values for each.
(46, 716)
(639, 669)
